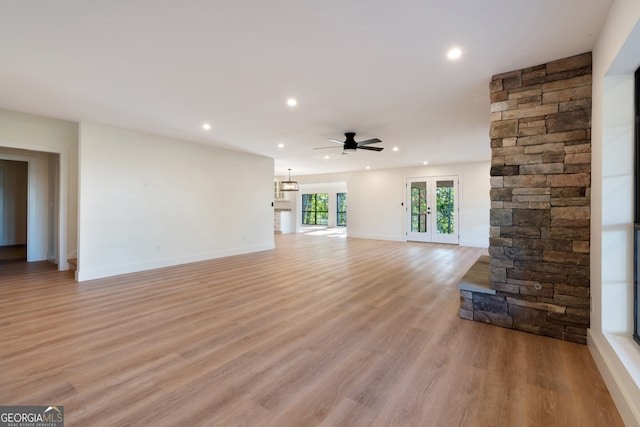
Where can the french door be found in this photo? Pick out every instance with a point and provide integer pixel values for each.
(432, 209)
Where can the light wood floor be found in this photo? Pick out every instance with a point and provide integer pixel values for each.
(321, 331)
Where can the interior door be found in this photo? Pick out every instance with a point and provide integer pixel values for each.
(432, 209)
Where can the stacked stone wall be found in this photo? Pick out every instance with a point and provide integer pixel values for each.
(540, 201)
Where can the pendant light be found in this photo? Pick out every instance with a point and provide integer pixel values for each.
(289, 185)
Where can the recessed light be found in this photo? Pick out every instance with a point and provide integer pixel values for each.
(368, 167)
(425, 163)
(291, 102)
(454, 53)
(395, 148)
(206, 126)
(281, 145)
(327, 157)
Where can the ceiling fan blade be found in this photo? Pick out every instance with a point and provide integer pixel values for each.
(336, 141)
(371, 148)
(369, 141)
(322, 148)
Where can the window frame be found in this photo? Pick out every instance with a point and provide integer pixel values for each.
(340, 213)
(315, 211)
(636, 215)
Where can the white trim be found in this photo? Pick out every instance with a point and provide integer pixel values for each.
(609, 352)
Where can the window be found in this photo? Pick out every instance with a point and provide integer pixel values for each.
(342, 209)
(636, 251)
(419, 207)
(445, 207)
(315, 209)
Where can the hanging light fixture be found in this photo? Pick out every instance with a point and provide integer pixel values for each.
(289, 185)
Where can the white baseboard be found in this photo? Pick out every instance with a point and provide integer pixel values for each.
(618, 367)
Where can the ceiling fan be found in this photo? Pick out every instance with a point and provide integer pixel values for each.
(350, 145)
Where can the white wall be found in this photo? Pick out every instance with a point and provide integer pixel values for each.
(147, 202)
(375, 199)
(41, 135)
(616, 56)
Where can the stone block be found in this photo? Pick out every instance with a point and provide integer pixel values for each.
(570, 201)
(571, 223)
(553, 157)
(466, 304)
(509, 142)
(575, 291)
(499, 106)
(501, 194)
(504, 170)
(497, 182)
(578, 148)
(548, 267)
(466, 314)
(507, 288)
(529, 102)
(507, 151)
(546, 244)
(576, 330)
(549, 308)
(495, 85)
(578, 339)
(582, 280)
(535, 111)
(578, 168)
(533, 199)
(520, 232)
(516, 205)
(497, 275)
(522, 159)
(580, 104)
(500, 217)
(495, 117)
(574, 135)
(581, 246)
(537, 191)
(525, 93)
(568, 192)
(496, 143)
(512, 82)
(541, 169)
(466, 294)
(501, 263)
(569, 180)
(567, 95)
(525, 181)
(573, 62)
(489, 303)
(501, 242)
(568, 233)
(571, 301)
(580, 80)
(504, 128)
(494, 231)
(573, 258)
(523, 254)
(497, 161)
(538, 205)
(503, 320)
(578, 158)
(502, 95)
(519, 274)
(571, 212)
(530, 218)
(571, 120)
(530, 131)
(507, 75)
(544, 148)
(527, 315)
(496, 252)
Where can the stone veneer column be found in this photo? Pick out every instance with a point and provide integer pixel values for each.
(540, 200)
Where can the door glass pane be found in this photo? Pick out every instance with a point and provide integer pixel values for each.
(419, 207)
(445, 207)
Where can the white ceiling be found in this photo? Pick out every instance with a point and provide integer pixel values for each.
(375, 67)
